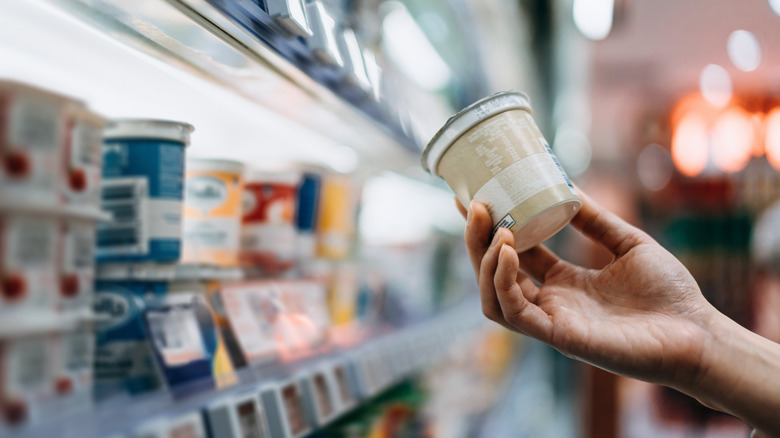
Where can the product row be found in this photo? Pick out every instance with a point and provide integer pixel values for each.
(266, 401)
(76, 190)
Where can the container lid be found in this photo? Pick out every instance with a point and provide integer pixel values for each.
(465, 119)
(149, 129)
(284, 177)
(215, 165)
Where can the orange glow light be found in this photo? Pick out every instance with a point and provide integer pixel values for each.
(732, 140)
(690, 144)
(758, 135)
(772, 144)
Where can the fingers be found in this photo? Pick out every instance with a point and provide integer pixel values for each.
(606, 228)
(490, 305)
(516, 309)
(461, 208)
(537, 262)
(479, 225)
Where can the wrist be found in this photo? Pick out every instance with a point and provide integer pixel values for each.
(737, 374)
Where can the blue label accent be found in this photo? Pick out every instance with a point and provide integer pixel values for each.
(160, 250)
(162, 162)
(122, 305)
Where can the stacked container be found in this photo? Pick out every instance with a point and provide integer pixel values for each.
(49, 207)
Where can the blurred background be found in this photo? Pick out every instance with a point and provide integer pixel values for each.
(329, 284)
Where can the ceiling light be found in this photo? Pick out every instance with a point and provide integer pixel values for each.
(410, 50)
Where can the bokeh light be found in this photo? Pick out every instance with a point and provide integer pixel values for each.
(732, 140)
(744, 50)
(573, 150)
(772, 142)
(715, 85)
(593, 18)
(690, 145)
(775, 5)
(654, 167)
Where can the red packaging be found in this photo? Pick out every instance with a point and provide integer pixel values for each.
(268, 234)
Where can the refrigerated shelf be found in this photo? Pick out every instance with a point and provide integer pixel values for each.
(382, 361)
(233, 51)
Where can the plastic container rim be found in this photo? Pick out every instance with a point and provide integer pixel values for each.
(214, 165)
(466, 119)
(149, 129)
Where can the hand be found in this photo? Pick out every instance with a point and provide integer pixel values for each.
(642, 315)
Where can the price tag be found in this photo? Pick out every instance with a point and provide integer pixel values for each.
(176, 335)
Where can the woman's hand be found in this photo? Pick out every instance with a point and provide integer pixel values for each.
(642, 315)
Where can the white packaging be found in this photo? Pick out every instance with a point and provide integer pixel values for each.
(28, 262)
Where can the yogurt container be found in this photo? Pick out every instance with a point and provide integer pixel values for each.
(29, 247)
(212, 212)
(268, 231)
(31, 143)
(77, 266)
(493, 152)
(26, 389)
(124, 362)
(83, 157)
(143, 176)
(73, 352)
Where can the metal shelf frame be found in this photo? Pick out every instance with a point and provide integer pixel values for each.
(236, 45)
(380, 362)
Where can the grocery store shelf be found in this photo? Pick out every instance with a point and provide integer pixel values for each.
(29, 206)
(170, 272)
(22, 323)
(370, 368)
(233, 51)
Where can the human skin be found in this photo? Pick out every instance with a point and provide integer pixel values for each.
(642, 315)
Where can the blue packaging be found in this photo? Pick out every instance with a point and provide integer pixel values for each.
(124, 362)
(308, 202)
(143, 180)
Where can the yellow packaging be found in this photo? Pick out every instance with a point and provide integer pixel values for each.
(212, 212)
(336, 218)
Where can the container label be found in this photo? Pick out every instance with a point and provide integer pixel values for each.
(205, 193)
(506, 222)
(126, 199)
(517, 183)
(176, 335)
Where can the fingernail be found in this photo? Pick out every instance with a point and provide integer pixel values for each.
(496, 237)
(501, 252)
(469, 213)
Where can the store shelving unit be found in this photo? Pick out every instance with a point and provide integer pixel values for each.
(374, 365)
(237, 46)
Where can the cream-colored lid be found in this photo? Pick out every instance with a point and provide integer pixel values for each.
(149, 129)
(284, 177)
(465, 119)
(214, 165)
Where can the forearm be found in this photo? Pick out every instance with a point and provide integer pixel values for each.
(739, 375)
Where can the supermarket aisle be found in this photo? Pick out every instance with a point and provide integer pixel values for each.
(218, 218)
(532, 405)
